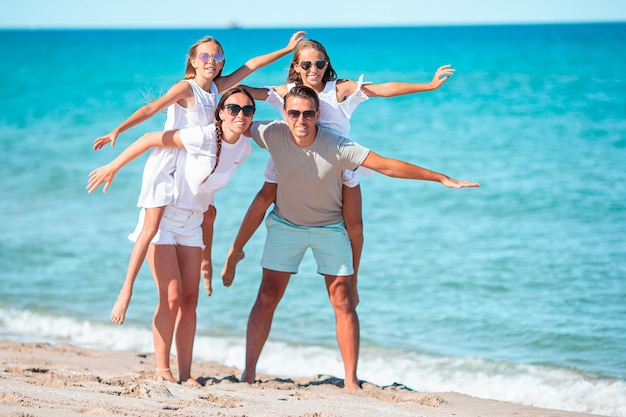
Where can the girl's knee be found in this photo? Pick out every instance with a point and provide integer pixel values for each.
(211, 212)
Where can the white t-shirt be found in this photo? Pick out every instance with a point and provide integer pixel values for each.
(194, 188)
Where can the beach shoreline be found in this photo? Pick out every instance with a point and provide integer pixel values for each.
(43, 379)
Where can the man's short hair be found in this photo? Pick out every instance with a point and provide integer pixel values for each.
(301, 91)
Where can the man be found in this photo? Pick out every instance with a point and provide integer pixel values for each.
(308, 213)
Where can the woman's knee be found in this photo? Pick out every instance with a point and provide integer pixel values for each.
(170, 303)
(189, 300)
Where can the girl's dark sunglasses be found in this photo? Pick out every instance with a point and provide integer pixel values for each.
(305, 65)
(295, 114)
(234, 109)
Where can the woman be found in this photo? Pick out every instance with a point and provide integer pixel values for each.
(190, 102)
(208, 158)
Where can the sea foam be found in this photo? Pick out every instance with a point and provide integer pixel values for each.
(534, 385)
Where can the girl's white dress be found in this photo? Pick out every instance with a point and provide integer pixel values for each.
(333, 114)
(158, 175)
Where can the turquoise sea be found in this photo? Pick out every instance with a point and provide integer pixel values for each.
(515, 291)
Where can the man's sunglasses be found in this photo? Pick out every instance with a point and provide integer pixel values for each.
(204, 57)
(234, 109)
(295, 114)
(320, 64)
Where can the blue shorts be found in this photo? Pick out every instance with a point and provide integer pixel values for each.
(178, 227)
(286, 244)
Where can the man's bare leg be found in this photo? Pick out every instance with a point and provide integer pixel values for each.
(347, 324)
(271, 291)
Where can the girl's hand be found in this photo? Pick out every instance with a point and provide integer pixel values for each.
(295, 38)
(441, 76)
(452, 183)
(103, 175)
(206, 269)
(103, 140)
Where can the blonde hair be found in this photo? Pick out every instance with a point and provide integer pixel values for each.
(190, 71)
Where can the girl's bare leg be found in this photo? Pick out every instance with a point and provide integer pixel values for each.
(206, 268)
(152, 219)
(353, 218)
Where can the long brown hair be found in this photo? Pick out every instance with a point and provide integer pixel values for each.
(294, 77)
(190, 71)
(219, 133)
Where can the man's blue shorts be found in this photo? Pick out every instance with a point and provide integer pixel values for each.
(286, 244)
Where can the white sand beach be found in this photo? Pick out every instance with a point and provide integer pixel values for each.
(61, 380)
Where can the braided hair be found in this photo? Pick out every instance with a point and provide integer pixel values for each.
(219, 133)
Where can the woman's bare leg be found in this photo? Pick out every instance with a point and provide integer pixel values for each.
(164, 266)
(189, 259)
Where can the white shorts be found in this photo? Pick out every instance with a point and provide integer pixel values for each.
(178, 227)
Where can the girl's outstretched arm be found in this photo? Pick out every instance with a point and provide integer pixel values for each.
(105, 174)
(253, 64)
(392, 88)
(178, 91)
(399, 169)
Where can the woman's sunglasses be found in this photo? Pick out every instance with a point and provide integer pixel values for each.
(295, 114)
(204, 57)
(320, 64)
(234, 109)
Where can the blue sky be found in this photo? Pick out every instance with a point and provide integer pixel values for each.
(316, 13)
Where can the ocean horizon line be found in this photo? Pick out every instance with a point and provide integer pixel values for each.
(235, 26)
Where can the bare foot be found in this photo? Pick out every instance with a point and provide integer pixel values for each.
(228, 272)
(164, 375)
(193, 382)
(248, 378)
(352, 385)
(118, 314)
